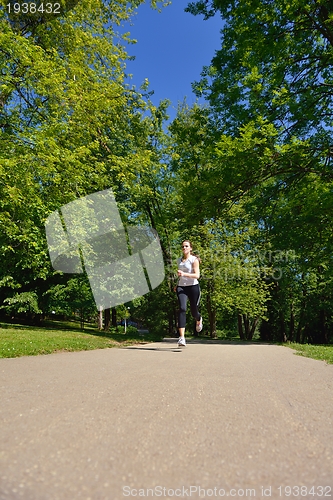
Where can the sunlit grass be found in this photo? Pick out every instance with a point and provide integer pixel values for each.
(321, 352)
(19, 340)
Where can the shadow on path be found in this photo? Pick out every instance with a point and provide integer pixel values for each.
(217, 341)
(168, 349)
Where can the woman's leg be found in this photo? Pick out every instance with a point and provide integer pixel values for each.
(194, 295)
(182, 299)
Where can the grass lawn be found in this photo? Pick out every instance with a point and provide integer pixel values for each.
(20, 340)
(322, 352)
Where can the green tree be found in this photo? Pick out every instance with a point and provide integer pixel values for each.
(70, 299)
(69, 124)
(275, 61)
(296, 225)
(207, 166)
(269, 86)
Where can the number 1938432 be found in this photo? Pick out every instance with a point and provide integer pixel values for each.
(33, 8)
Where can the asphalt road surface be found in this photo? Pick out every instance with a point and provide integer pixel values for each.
(155, 421)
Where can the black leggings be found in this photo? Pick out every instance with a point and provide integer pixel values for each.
(192, 293)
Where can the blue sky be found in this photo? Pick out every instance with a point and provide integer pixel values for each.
(172, 48)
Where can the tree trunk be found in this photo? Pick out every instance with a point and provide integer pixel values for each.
(282, 327)
(211, 311)
(249, 329)
(114, 317)
(253, 327)
(107, 319)
(100, 319)
(292, 323)
(298, 333)
(322, 326)
(304, 334)
(82, 318)
(240, 326)
(246, 326)
(212, 323)
(300, 328)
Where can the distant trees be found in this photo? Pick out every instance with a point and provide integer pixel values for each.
(248, 178)
(270, 91)
(69, 126)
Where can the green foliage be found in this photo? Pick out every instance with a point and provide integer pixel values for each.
(208, 172)
(247, 179)
(323, 353)
(157, 310)
(69, 126)
(24, 302)
(268, 87)
(296, 227)
(275, 61)
(69, 297)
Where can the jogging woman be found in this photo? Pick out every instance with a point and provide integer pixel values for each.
(188, 288)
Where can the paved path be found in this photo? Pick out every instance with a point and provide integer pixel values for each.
(208, 421)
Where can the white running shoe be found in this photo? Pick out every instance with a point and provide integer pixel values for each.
(198, 327)
(181, 342)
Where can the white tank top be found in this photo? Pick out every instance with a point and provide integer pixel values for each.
(187, 267)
